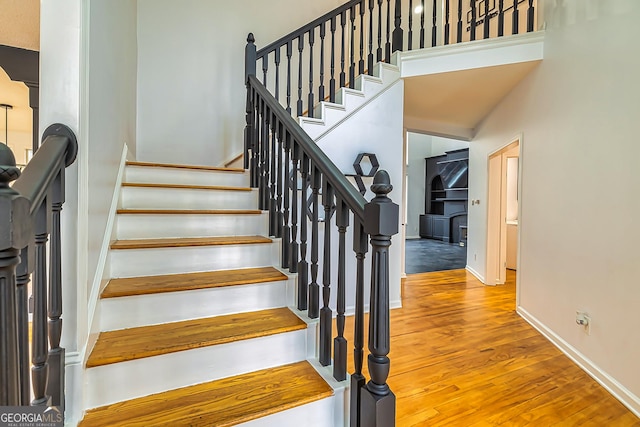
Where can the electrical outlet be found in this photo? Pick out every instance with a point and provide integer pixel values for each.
(583, 319)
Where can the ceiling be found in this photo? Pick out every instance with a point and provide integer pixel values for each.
(461, 99)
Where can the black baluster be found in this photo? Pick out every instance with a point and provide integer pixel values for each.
(273, 218)
(486, 20)
(265, 68)
(249, 70)
(500, 18)
(387, 46)
(264, 182)
(332, 81)
(300, 48)
(321, 88)
(343, 76)
(314, 288)
(14, 209)
(459, 37)
(339, 342)
(361, 62)
(381, 222)
(360, 247)
(293, 253)
(434, 28)
(352, 67)
(289, 190)
(410, 35)
(421, 24)
(281, 165)
(303, 266)
(22, 294)
(379, 51)
(255, 144)
(473, 20)
(310, 102)
(370, 55)
(447, 26)
(55, 384)
(39, 345)
(530, 16)
(289, 53)
(516, 17)
(397, 30)
(277, 62)
(325, 311)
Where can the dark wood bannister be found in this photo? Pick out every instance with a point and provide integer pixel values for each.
(30, 218)
(309, 64)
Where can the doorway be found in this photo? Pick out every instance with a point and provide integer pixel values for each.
(502, 212)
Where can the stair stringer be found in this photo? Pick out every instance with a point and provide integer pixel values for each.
(328, 115)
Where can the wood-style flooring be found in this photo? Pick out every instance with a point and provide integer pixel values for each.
(461, 356)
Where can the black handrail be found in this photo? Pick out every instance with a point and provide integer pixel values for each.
(30, 215)
(341, 185)
(304, 29)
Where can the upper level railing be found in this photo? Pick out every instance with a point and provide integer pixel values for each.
(285, 163)
(309, 64)
(29, 217)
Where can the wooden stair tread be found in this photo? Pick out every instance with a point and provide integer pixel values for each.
(188, 241)
(220, 403)
(193, 167)
(189, 211)
(190, 281)
(146, 341)
(185, 186)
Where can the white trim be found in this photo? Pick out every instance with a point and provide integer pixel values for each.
(620, 392)
(475, 273)
(474, 54)
(98, 278)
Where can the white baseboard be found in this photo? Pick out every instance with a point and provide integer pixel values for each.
(620, 392)
(475, 273)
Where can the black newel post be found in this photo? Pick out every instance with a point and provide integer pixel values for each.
(378, 403)
(249, 69)
(397, 31)
(14, 235)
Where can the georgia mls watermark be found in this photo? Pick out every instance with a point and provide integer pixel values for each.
(31, 416)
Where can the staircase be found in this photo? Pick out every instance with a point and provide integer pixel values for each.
(194, 324)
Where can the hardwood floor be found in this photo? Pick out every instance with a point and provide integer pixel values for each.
(461, 356)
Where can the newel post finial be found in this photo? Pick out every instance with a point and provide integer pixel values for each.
(8, 170)
(381, 216)
(250, 57)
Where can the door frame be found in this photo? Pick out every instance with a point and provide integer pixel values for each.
(496, 238)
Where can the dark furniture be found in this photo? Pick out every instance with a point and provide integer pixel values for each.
(446, 194)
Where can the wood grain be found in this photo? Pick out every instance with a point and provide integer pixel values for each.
(146, 341)
(176, 166)
(221, 403)
(188, 241)
(461, 356)
(189, 212)
(189, 281)
(185, 186)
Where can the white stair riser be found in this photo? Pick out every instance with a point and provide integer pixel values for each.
(156, 175)
(316, 414)
(105, 384)
(141, 310)
(186, 198)
(156, 226)
(151, 262)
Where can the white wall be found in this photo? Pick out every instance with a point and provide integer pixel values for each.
(191, 93)
(375, 128)
(579, 228)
